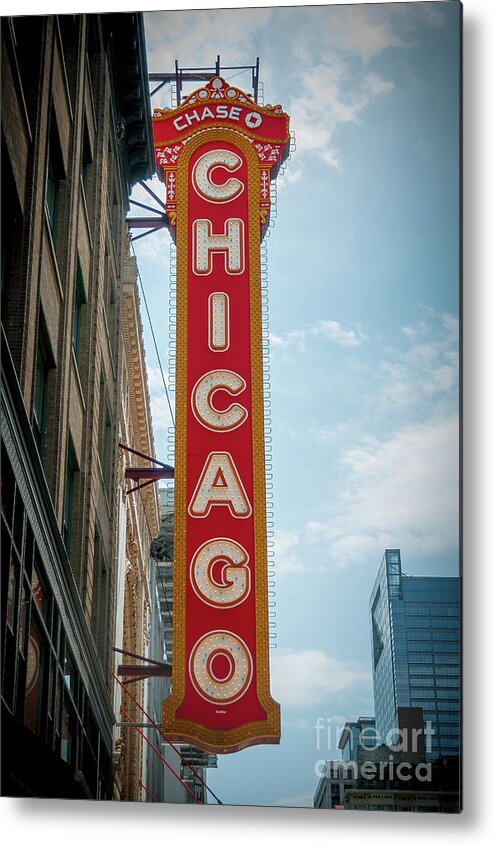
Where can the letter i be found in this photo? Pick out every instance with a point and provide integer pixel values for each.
(219, 322)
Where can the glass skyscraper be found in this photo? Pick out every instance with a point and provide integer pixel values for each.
(415, 624)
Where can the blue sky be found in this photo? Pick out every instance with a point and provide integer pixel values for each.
(363, 285)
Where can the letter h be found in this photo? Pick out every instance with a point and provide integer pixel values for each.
(230, 242)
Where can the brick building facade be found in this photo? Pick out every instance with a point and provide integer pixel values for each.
(76, 137)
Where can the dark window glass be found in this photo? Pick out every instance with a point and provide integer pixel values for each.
(79, 302)
(25, 618)
(44, 363)
(69, 672)
(41, 595)
(70, 473)
(106, 446)
(54, 176)
(100, 615)
(8, 487)
(28, 36)
(69, 32)
(40, 389)
(52, 188)
(18, 534)
(12, 591)
(87, 160)
(34, 679)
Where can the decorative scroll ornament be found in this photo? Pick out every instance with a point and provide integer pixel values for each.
(218, 153)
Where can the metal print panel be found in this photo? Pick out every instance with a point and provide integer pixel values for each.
(231, 245)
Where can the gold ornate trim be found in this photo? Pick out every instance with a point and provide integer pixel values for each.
(213, 125)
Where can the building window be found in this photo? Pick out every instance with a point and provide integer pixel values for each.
(41, 683)
(70, 473)
(52, 187)
(86, 161)
(67, 735)
(106, 446)
(107, 449)
(44, 362)
(111, 315)
(27, 31)
(69, 26)
(79, 302)
(35, 687)
(54, 177)
(100, 618)
(12, 231)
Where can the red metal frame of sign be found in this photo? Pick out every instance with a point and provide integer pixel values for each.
(219, 200)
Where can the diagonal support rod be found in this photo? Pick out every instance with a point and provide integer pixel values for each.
(143, 455)
(153, 195)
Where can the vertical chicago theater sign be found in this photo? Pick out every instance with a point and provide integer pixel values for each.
(217, 153)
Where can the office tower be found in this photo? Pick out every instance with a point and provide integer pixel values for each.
(357, 736)
(416, 652)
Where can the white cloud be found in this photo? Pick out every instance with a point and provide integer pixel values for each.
(309, 677)
(399, 492)
(398, 488)
(287, 553)
(325, 96)
(292, 176)
(334, 331)
(330, 95)
(432, 13)
(155, 379)
(317, 110)
(293, 339)
(374, 84)
(160, 410)
(195, 37)
(428, 369)
(363, 29)
(418, 329)
(333, 436)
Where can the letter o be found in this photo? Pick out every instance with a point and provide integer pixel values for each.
(215, 688)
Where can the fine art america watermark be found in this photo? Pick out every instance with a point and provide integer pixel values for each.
(416, 741)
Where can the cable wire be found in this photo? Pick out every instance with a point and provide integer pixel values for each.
(154, 339)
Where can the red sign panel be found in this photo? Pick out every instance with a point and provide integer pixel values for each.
(218, 200)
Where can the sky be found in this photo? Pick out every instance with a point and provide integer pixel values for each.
(363, 291)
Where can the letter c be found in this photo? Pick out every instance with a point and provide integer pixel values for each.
(201, 176)
(201, 400)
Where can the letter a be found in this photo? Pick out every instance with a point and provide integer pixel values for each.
(220, 484)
